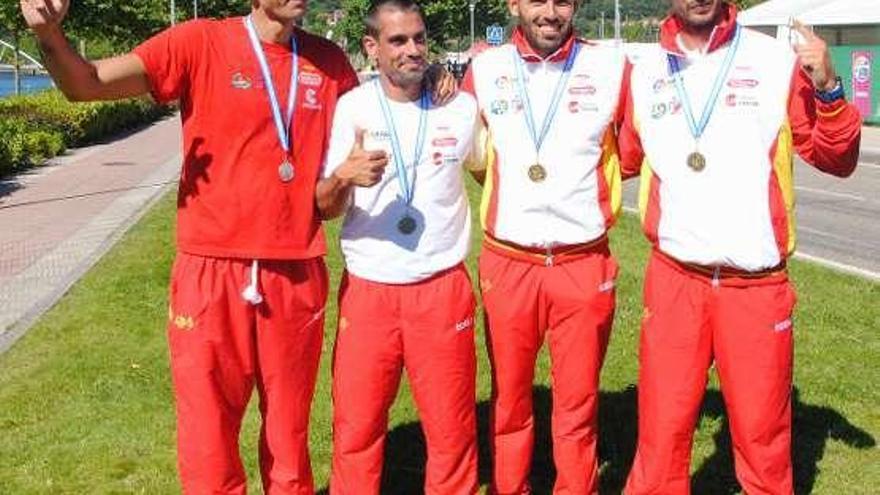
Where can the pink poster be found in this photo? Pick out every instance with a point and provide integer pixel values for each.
(861, 81)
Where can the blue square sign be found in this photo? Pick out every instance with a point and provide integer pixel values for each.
(494, 34)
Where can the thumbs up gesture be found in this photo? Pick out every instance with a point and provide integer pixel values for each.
(362, 168)
(813, 56)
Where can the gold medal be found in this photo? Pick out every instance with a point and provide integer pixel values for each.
(696, 161)
(537, 173)
(285, 171)
(406, 225)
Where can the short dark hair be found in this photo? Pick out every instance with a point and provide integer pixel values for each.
(371, 21)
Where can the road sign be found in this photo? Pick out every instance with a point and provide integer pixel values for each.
(494, 34)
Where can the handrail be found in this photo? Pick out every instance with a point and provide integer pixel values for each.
(27, 57)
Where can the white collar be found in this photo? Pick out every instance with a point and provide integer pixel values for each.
(691, 54)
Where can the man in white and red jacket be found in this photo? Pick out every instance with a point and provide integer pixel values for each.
(713, 117)
(549, 106)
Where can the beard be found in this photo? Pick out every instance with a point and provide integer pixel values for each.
(546, 45)
(406, 78)
(699, 20)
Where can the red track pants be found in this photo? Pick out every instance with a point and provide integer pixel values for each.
(572, 305)
(221, 346)
(744, 326)
(427, 328)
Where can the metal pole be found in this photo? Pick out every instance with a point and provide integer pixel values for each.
(173, 13)
(602, 25)
(195, 9)
(617, 19)
(16, 62)
(473, 6)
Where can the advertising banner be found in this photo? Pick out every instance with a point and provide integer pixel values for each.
(861, 81)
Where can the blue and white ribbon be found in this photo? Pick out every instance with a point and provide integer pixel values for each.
(282, 126)
(538, 139)
(407, 183)
(696, 128)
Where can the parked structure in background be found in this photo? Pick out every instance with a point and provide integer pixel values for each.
(852, 30)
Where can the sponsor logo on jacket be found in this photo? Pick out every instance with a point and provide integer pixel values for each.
(499, 107)
(502, 82)
(445, 142)
(181, 321)
(575, 106)
(658, 110)
(661, 84)
(311, 79)
(464, 324)
(439, 159)
(662, 108)
(580, 80)
(379, 135)
(738, 100)
(516, 104)
(240, 81)
(742, 83)
(310, 100)
(782, 325)
(587, 90)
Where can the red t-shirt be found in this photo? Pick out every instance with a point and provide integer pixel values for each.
(232, 202)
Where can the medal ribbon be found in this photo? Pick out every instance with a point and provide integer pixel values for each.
(538, 139)
(407, 185)
(281, 126)
(674, 67)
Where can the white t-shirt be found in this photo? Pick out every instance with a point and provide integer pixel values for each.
(373, 246)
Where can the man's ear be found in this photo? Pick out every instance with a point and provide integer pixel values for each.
(513, 7)
(371, 47)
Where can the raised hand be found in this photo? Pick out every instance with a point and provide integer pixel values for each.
(44, 15)
(362, 168)
(441, 84)
(814, 57)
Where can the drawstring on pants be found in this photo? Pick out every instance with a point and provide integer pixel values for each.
(251, 293)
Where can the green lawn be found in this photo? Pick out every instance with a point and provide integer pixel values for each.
(86, 406)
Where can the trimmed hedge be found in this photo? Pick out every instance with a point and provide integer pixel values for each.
(34, 128)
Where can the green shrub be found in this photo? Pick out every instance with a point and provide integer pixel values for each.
(36, 127)
(22, 145)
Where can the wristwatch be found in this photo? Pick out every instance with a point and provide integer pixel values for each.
(832, 95)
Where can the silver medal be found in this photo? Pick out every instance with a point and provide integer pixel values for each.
(285, 171)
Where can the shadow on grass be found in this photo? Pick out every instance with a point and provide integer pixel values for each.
(814, 425)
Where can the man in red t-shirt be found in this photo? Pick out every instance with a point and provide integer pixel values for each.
(249, 285)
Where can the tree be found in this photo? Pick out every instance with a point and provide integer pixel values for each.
(447, 22)
(122, 23)
(12, 22)
(318, 18)
(351, 27)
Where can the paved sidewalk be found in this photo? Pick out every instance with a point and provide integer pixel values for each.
(870, 144)
(58, 220)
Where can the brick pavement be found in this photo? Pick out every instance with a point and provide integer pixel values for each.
(58, 220)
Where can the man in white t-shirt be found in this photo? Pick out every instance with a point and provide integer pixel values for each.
(395, 169)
